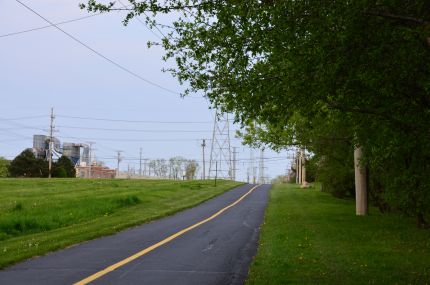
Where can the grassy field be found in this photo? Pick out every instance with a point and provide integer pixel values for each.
(310, 237)
(41, 215)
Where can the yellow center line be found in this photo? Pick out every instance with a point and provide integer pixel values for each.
(158, 244)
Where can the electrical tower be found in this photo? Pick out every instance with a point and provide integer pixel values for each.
(261, 168)
(234, 163)
(220, 163)
(253, 169)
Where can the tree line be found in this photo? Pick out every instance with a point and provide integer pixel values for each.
(174, 168)
(27, 165)
(328, 76)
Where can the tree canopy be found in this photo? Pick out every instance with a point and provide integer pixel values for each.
(4, 164)
(64, 167)
(325, 75)
(27, 165)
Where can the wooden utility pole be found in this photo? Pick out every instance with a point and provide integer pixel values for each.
(203, 153)
(361, 207)
(234, 163)
(216, 171)
(118, 160)
(90, 160)
(303, 170)
(140, 162)
(51, 141)
(299, 167)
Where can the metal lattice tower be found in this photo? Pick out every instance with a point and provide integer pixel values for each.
(262, 178)
(220, 163)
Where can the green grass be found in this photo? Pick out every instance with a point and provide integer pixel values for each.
(309, 237)
(41, 215)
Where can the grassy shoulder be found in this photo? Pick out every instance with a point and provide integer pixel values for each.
(41, 215)
(309, 237)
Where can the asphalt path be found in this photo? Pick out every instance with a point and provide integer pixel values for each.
(216, 252)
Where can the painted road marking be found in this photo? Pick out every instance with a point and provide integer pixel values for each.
(160, 243)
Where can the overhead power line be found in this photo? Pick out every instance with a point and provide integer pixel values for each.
(23, 118)
(142, 22)
(48, 26)
(127, 140)
(98, 53)
(21, 125)
(135, 121)
(135, 130)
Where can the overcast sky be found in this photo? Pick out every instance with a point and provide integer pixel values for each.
(44, 68)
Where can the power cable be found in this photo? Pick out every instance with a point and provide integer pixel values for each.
(135, 130)
(12, 121)
(127, 140)
(48, 26)
(135, 121)
(23, 118)
(98, 53)
(142, 22)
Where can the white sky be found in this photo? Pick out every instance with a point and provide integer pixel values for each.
(44, 68)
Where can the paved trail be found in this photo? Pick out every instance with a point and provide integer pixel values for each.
(218, 251)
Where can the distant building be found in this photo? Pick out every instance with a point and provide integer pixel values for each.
(78, 153)
(95, 171)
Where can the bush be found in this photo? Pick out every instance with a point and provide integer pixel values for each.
(27, 165)
(4, 165)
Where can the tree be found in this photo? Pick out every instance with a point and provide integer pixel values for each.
(177, 166)
(310, 73)
(4, 164)
(27, 165)
(64, 168)
(191, 169)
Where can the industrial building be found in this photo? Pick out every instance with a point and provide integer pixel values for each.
(78, 153)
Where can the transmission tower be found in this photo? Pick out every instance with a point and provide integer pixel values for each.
(221, 158)
(261, 168)
(253, 169)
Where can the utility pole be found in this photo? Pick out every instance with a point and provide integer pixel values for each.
(216, 171)
(51, 141)
(361, 208)
(303, 170)
(90, 159)
(118, 160)
(140, 162)
(145, 164)
(234, 163)
(299, 167)
(204, 165)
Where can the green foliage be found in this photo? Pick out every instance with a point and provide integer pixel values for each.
(316, 74)
(41, 215)
(59, 171)
(190, 169)
(279, 179)
(128, 201)
(309, 237)
(27, 165)
(64, 167)
(4, 165)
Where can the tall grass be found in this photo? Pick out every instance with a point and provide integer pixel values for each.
(39, 215)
